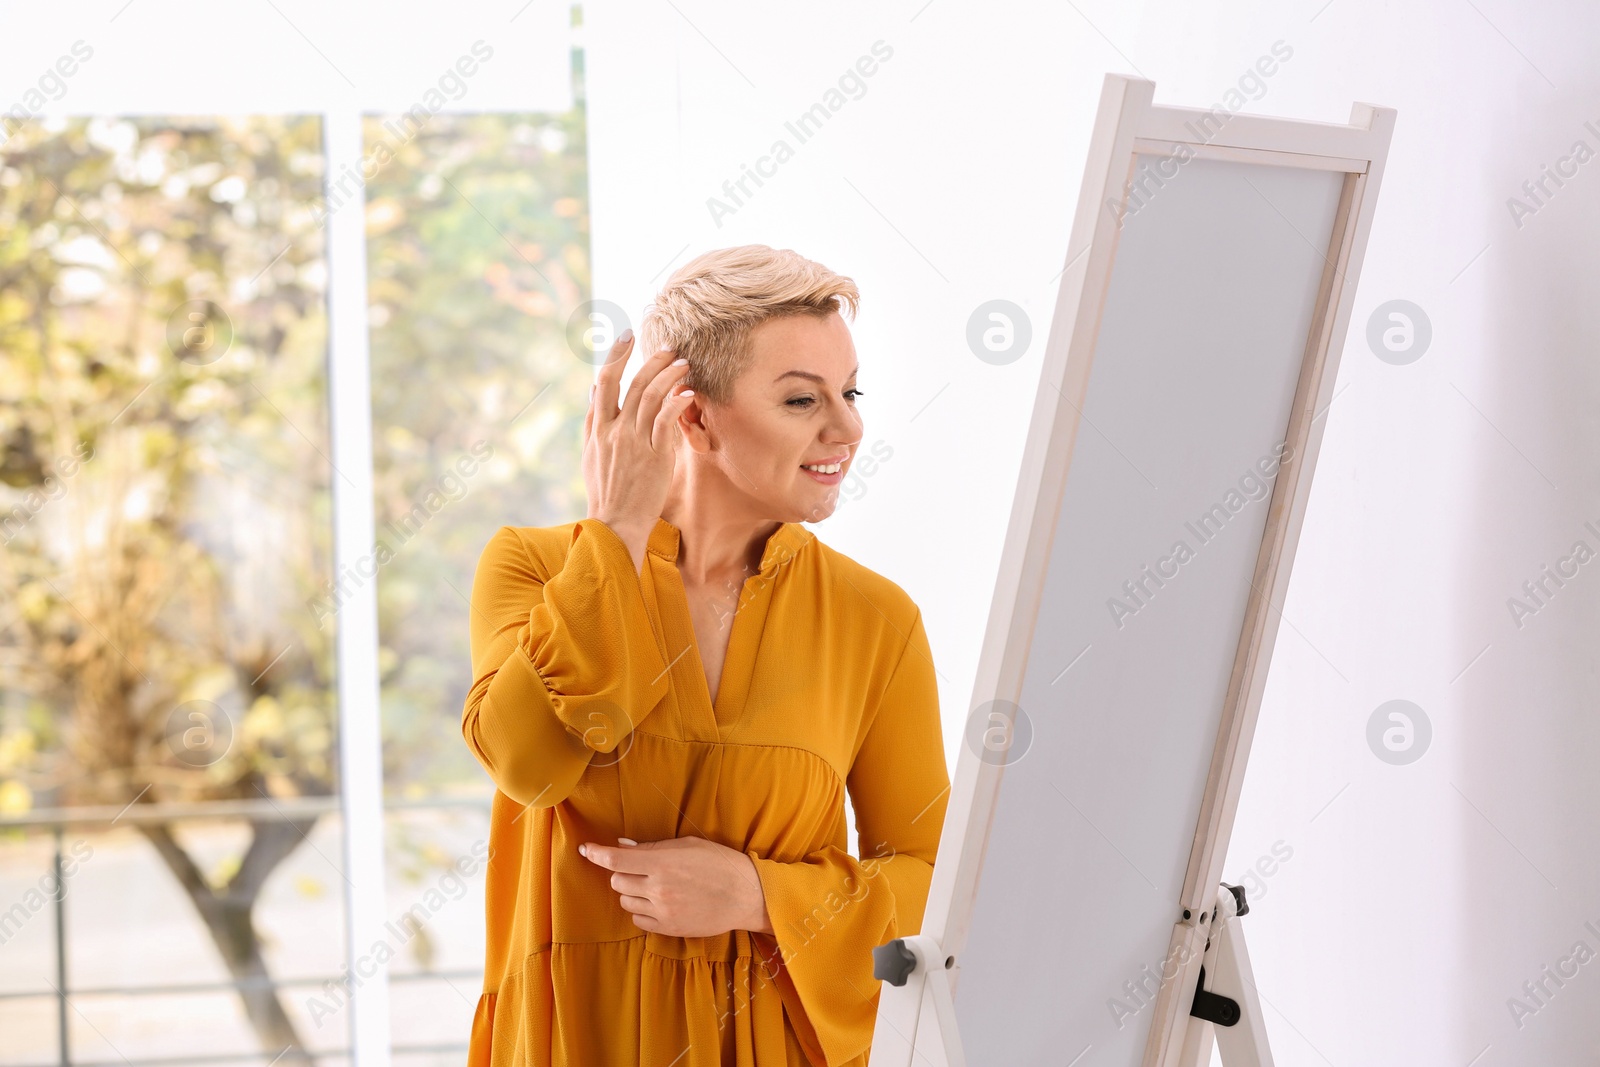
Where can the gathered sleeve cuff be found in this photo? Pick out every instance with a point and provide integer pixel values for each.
(829, 910)
(564, 665)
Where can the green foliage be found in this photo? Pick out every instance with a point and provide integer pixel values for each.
(192, 533)
(478, 253)
(158, 536)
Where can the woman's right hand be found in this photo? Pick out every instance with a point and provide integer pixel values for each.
(629, 452)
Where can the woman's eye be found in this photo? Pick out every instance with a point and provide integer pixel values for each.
(807, 401)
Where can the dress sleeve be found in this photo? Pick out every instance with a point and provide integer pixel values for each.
(564, 665)
(830, 910)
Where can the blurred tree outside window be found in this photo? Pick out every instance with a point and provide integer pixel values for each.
(165, 508)
(478, 267)
(477, 254)
(167, 589)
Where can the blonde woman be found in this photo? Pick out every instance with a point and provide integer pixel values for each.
(674, 694)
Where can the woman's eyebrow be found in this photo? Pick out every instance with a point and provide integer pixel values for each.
(813, 377)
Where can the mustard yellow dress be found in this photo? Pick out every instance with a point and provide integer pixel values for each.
(591, 713)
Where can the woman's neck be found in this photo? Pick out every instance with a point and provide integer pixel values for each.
(712, 545)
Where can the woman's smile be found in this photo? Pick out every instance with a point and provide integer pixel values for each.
(826, 479)
(828, 476)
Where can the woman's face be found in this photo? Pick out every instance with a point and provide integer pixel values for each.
(792, 406)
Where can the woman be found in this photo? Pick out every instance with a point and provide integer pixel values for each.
(673, 695)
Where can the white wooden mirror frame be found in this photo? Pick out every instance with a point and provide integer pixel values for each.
(916, 1021)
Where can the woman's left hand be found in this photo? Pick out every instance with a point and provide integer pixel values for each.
(684, 886)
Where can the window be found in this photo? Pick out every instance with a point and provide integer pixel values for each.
(236, 816)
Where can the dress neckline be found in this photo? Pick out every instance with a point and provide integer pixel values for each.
(781, 546)
(712, 718)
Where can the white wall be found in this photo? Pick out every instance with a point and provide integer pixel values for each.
(1416, 899)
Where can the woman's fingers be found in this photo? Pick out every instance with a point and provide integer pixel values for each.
(643, 379)
(637, 905)
(608, 381)
(664, 433)
(629, 451)
(662, 384)
(634, 885)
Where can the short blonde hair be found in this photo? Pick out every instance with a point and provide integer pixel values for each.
(709, 306)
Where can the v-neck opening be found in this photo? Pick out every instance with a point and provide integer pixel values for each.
(738, 664)
(706, 699)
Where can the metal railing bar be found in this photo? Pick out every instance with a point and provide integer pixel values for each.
(242, 1057)
(230, 986)
(277, 809)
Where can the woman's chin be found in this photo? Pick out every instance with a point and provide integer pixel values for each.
(817, 510)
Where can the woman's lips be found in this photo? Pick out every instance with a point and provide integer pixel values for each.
(826, 479)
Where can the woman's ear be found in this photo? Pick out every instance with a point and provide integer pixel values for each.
(691, 422)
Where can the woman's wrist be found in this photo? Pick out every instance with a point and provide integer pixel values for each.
(634, 533)
(759, 922)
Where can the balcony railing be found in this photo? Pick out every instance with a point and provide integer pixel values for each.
(55, 821)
